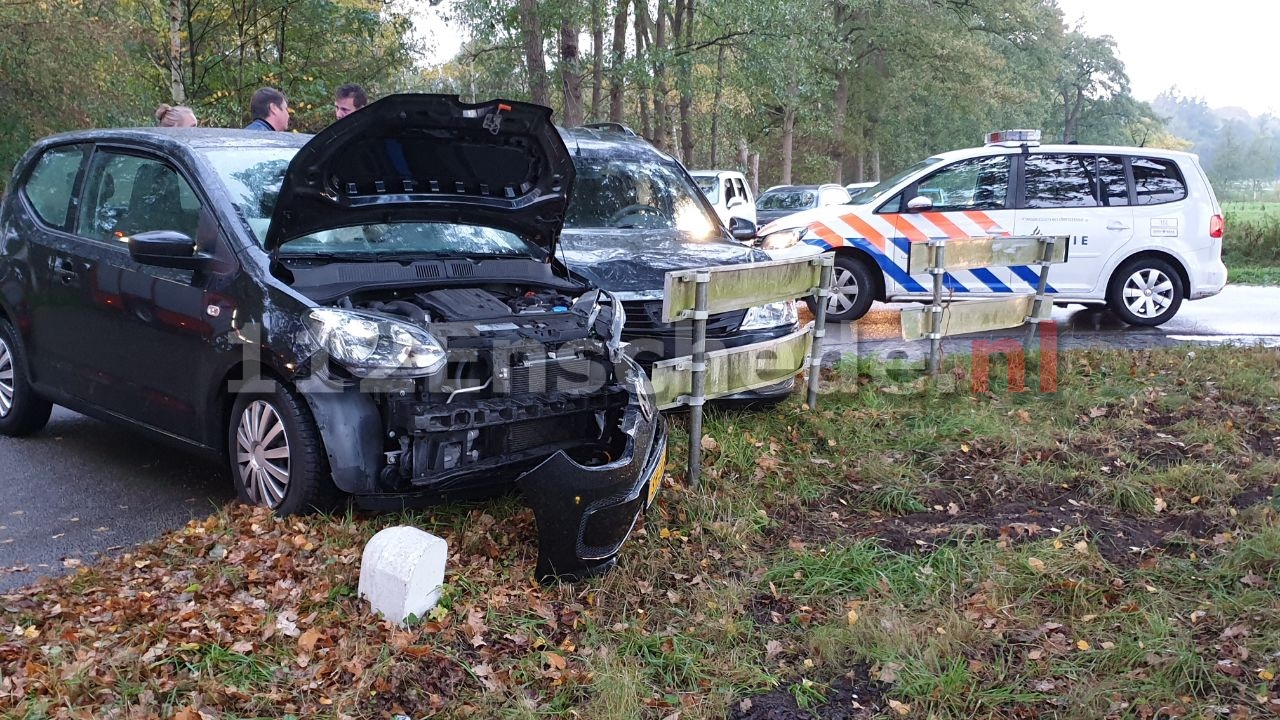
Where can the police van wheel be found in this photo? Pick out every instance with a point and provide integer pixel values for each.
(1145, 291)
(852, 290)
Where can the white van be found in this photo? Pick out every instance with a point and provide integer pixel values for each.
(1145, 227)
(729, 193)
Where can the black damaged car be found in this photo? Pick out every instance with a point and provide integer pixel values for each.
(377, 311)
(636, 214)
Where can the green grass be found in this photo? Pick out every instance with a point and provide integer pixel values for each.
(1251, 244)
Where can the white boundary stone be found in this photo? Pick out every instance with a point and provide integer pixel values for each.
(402, 571)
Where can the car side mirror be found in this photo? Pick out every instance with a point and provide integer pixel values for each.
(166, 248)
(736, 202)
(741, 228)
(919, 203)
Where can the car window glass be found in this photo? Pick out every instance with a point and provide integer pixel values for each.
(729, 194)
(51, 183)
(630, 194)
(128, 194)
(787, 200)
(252, 178)
(709, 187)
(742, 189)
(1060, 181)
(1157, 181)
(974, 184)
(1115, 188)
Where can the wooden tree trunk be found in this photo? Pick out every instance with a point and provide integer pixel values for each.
(658, 50)
(715, 107)
(617, 82)
(686, 82)
(570, 73)
(642, 36)
(839, 113)
(597, 57)
(535, 59)
(177, 89)
(788, 141)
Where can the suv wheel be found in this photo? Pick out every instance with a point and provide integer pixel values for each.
(1146, 291)
(851, 288)
(22, 412)
(277, 458)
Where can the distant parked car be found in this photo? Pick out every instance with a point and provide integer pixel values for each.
(783, 200)
(728, 192)
(857, 192)
(634, 217)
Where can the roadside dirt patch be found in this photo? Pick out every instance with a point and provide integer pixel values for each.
(847, 697)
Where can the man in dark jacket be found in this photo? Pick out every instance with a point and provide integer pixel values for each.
(270, 110)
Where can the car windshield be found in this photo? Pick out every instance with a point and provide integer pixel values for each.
(787, 200)
(630, 194)
(876, 191)
(252, 177)
(709, 186)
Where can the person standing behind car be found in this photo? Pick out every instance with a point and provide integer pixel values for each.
(175, 116)
(270, 110)
(348, 99)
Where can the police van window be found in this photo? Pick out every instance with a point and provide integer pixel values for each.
(1157, 181)
(1114, 186)
(975, 184)
(1060, 181)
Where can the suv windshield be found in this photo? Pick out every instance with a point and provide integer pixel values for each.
(876, 191)
(630, 194)
(252, 177)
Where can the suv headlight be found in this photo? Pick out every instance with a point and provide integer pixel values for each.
(781, 240)
(372, 346)
(771, 315)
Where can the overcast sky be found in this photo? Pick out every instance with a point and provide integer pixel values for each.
(1223, 51)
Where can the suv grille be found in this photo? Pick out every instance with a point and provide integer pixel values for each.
(644, 317)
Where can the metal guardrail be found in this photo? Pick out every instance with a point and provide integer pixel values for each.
(697, 294)
(942, 255)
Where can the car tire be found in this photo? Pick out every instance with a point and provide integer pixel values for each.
(852, 291)
(22, 411)
(1145, 291)
(276, 453)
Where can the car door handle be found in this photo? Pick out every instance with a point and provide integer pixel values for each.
(1117, 225)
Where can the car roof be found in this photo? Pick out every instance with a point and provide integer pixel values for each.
(988, 150)
(715, 173)
(612, 142)
(199, 138)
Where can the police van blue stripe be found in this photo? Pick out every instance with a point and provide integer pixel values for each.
(989, 279)
(1031, 277)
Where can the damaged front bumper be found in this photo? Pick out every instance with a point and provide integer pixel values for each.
(585, 512)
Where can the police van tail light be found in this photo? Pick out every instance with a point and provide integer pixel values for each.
(1216, 226)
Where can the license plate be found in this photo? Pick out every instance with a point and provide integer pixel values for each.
(655, 480)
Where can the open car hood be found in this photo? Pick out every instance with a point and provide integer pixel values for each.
(430, 158)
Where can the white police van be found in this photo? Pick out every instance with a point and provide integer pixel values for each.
(1145, 227)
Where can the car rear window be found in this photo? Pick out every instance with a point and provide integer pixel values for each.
(1156, 181)
(51, 183)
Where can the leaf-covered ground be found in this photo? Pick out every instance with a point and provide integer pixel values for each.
(908, 550)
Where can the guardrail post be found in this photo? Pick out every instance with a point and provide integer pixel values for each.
(938, 268)
(1037, 307)
(823, 295)
(698, 375)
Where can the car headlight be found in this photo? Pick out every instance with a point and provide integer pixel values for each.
(371, 346)
(781, 240)
(771, 315)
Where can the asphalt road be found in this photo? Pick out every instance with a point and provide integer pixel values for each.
(83, 487)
